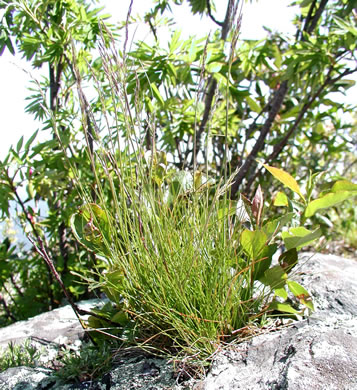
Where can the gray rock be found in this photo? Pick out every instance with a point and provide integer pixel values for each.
(332, 282)
(315, 354)
(140, 372)
(26, 378)
(312, 354)
(59, 325)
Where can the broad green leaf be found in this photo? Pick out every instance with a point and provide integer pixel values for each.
(121, 318)
(281, 292)
(326, 201)
(274, 226)
(288, 259)
(300, 293)
(344, 185)
(114, 285)
(320, 128)
(345, 26)
(91, 228)
(297, 289)
(214, 67)
(305, 3)
(291, 113)
(285, 178)
(281, 199)
(253, 243)
(275, 277)
(16, 157)
(198, 6)
(264, 261)
(5, 41)
(172, 70)
(299, 237)
(283, 307)
(191, 56)
(253, 105)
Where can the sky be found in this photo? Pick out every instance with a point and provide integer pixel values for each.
(15, 73)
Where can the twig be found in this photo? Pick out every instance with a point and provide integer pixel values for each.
(40, 249)
(209, 10)
(275, 107)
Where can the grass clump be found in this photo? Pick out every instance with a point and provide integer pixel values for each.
(86, 364)
(19, 355)
(186, 267)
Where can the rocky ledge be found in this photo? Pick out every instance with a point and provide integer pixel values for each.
(312, 354)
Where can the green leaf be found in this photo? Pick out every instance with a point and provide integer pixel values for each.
(297, 289)
(156, 93)
(299, 236)
(277, 56)
(285, 178)
(288, 259)
(121, 318)
(305, 3)
(264, 262)
(345, 26)
(326, 201)
(253, 242)
(283, 307)
(175, 41)
(19, 144)
(214, 67)
(30, 190)
(281, 292)
(281, 199)
(191, 56)
(344, 185)
(275, 277)
(114, 285)
(253, 105)
(91, 228)
(274, 226)
(198, 6)
(301, 293)
(320, 128)
(31, 139)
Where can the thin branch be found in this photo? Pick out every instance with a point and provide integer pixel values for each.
(212, 82)
(209, 11)
(275, 108)
(309, 16)
(16, 287)
(280, 146)
(316, 17)
(7, 310)
(329, 81)
(40, 249)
